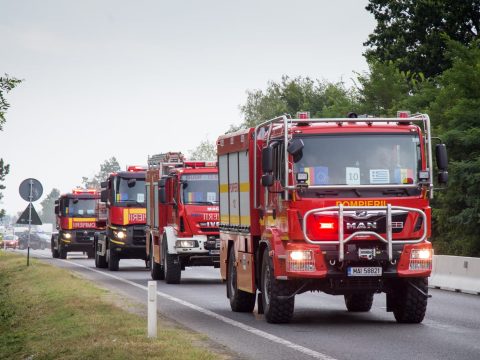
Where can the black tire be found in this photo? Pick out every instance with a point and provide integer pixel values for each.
(359, 302)
(55, 253)
(410, 305)
(171, 266)
(100, 260)
(276, 310)
(240, 301)
(156, 270)
(62, 252)
(113, 261)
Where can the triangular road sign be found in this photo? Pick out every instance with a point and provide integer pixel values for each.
(23, 219)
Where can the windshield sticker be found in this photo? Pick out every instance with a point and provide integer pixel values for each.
(403, 176)
(140, 197)
(379, 176)
(211, 196)
(80, 211)
(194, 197)
(122, 197)
(90, 211)
(317, 175)
(352, 175)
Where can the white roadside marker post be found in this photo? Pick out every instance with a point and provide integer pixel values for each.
(152, 309)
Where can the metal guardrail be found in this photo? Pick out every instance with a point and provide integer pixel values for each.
(383, 210)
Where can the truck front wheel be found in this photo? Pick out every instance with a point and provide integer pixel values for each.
(62, 252)
(156, 270)
(100, 260)
(410, 303)
(359, 302)
(55, 253)
(171, 266)
(113, 261)
(278, 304)
(240, 301)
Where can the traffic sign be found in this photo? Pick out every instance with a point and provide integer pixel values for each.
(35, 219)
(36, 189)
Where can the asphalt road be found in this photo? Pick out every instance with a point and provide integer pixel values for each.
(321, 327)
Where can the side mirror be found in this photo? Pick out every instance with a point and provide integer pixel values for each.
(103, 196)
(162, 195)
(131, 182)
(442, 177)
(104, 184)
(57, 208)
(267, 180)
(295, 147)
(267, 159)
(441, 155)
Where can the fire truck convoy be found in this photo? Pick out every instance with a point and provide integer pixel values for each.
(333, 205)
(77, 222)
(182, 215)
(124, 236)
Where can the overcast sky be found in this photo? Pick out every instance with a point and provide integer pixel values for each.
(131, 78)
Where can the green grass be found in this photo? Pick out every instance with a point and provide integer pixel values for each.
(49, 313)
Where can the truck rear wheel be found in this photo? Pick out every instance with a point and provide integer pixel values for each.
(276, 309)
(359, 302)
(156, 270)
(240, 301)
(171, 266)
(410, 304)
(100, 260)
(113, 261)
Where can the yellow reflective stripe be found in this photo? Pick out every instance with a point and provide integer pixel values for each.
(125, 217)
(117, 242)
(244, 187)
(223, 188)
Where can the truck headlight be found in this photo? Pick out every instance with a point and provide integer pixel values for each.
(186, 243)
(67, 235)
(120, 235)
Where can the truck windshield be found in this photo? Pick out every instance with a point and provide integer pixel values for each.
(200, 189)
(360, 159)
(130, 190)
(80, 207)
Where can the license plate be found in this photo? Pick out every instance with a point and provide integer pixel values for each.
(364, 271)
(214, 252)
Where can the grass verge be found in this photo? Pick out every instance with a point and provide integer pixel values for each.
(50, 313)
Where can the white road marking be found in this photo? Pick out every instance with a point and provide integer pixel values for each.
(250, 329)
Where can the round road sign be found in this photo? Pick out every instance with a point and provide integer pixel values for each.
(24, 189)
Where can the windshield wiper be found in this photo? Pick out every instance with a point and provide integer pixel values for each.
(205, 202)
(322, 193)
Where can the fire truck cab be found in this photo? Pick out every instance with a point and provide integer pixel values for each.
(124, 236)
(77, 222)
(182, 215)
(333, 205)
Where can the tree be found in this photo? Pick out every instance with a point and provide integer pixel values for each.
(456, 117)
(204, 151)
(47, 214)
(414, 33)
(107, 167)
(298, 94)
(6, 85)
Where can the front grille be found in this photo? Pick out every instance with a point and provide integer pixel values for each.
(84, 236)
(376, 224)
(209, 229)
(139, 237)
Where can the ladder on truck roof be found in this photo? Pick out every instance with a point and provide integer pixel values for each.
(166, 161)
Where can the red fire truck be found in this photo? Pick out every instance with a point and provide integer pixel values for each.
(124, 236)
(333, 205)
(77, 222)
(182, 215)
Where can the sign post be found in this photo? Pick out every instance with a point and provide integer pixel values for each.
(30, 190)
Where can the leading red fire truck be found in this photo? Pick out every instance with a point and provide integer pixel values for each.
(333, 205)
(124, 236)
(182, 215)
(77, 222)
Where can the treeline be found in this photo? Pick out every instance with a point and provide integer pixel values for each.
(423, 56)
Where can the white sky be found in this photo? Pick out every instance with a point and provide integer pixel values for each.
(131, 78)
